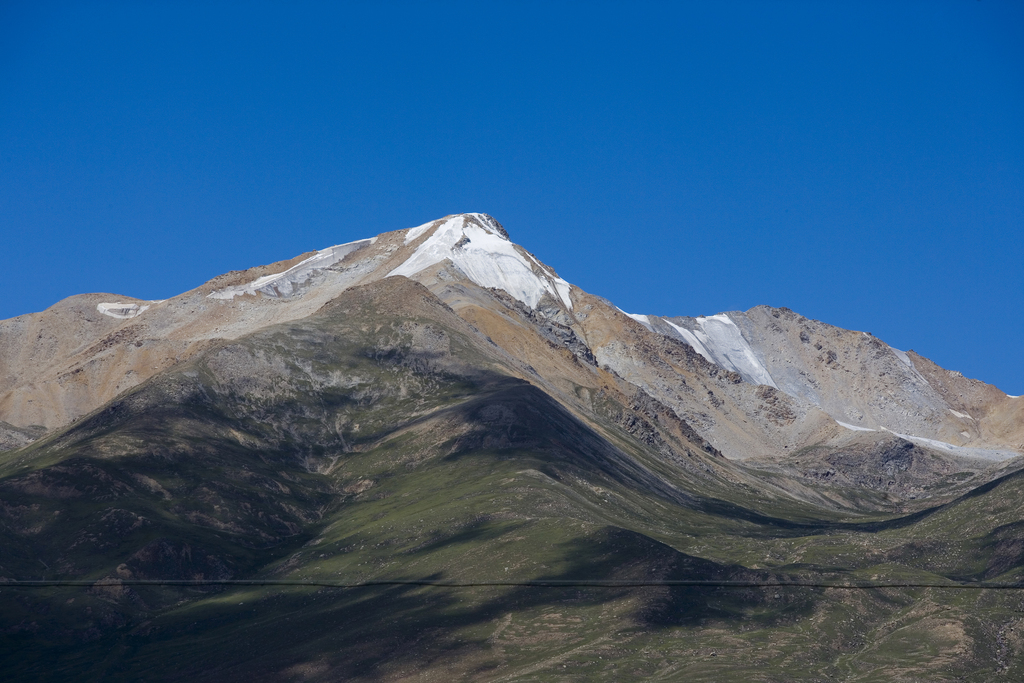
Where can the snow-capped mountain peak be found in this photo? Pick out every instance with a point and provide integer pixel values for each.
(790, 381)
(479, 246)
(475, 243)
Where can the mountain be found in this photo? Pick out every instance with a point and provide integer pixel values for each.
(435, 404)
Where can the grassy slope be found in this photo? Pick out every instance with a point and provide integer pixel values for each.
(383, 439)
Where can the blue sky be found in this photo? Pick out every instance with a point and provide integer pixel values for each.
(861, 163)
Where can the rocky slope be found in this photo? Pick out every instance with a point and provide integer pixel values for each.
(436, 404)
(758, 385)
(853, 376)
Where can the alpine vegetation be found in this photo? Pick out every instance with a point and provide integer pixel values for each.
(426, 455)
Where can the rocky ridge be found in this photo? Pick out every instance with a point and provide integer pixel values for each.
(346, 417)
(757, 385)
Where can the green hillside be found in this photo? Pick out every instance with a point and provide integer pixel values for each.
(381, 439)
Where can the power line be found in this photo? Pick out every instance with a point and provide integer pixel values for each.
(538, 583)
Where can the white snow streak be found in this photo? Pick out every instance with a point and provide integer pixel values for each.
(904, 358)
(642, 319)
(855, 427)
(412, 234)
(488, 259)
(120, 310)
(290, 281)
(563, 288)
(961, 415)
(720, 341)
(692, 340)
(962, 451)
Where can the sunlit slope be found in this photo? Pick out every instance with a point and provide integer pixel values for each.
(383, 437)
(256, 440)
(858, 379)
(832, 417)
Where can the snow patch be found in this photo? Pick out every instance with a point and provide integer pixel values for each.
(905, 359)
(412, 234)
(563, 288)
(642, 319)
(291, 281)
(719, 340)
(692, 340)
(902, 355)
(855, 427)
(961, 451)
(962, 416)
(487, 258)
(121, 310)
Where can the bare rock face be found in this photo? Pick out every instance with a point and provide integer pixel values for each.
(854, 377)
(759, 385)
(490, 223)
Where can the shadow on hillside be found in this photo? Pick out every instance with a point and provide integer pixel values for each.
(373, 633)
(913, 518)
(475, 532)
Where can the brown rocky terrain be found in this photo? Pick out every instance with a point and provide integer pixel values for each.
(798, 386)
(425, 455)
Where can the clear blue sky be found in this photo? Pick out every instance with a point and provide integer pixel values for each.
(861, 163)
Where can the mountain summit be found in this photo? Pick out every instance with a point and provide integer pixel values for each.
(273, 471)
(773, 382)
